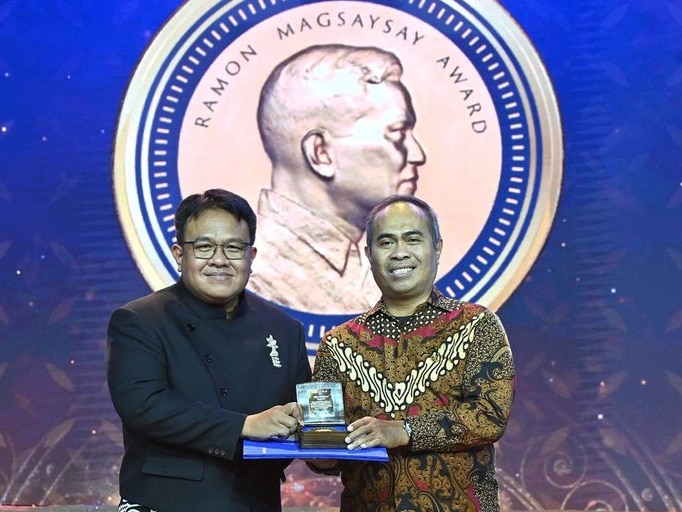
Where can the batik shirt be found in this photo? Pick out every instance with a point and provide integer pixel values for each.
(448, 369)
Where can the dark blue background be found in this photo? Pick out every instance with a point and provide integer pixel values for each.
(596, 327)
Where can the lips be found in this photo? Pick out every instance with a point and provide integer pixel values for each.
(220, 276)
(408, 186)
(401, 271)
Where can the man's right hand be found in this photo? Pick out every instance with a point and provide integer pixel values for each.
(278, 421)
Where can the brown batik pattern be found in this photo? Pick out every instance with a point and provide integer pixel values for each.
(449, 369)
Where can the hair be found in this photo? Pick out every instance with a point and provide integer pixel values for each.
(434, 226)
(214, 199)
(320, 87)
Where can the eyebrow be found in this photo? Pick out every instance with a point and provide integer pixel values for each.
(212, 240)
(404, 234)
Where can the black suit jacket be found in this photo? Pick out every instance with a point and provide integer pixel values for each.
(183, 378)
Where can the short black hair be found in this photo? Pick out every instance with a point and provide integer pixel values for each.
(214, 199)
(434, 226)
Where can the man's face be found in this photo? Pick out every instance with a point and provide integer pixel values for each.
(216, 280)
(377, 155)
(403, 257)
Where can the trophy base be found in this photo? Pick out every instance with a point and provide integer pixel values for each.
(318, 436)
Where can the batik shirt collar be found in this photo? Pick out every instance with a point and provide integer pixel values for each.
(436, 299)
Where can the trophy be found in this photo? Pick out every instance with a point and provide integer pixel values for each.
(323, 418)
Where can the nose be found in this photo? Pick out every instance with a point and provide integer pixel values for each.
(400, 251)
(219, 259)
(415, 152)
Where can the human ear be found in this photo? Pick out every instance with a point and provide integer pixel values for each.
(318, 154)
(176, 250)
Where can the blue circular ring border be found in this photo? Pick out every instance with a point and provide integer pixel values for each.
(501, 207)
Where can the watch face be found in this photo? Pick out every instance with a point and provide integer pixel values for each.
(408, 428)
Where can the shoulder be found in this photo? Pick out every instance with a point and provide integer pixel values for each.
(154, 300)
(155, 307)
(348, 329)
(458, 306)
(486, 322)
(462, 313)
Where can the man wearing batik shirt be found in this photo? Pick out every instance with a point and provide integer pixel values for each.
(428, 377)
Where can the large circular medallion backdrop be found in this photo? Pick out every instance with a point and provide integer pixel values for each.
(484, 112)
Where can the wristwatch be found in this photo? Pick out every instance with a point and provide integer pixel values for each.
(408, 430)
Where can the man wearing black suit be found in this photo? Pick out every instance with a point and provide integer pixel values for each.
(197, 367)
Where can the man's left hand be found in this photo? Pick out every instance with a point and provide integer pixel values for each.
(368, 432)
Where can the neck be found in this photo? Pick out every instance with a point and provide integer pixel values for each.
(400, 309)
(405, 307)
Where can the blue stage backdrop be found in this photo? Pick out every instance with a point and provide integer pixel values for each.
(554, 132)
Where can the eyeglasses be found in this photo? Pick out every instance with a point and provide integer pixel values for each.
(205, 250)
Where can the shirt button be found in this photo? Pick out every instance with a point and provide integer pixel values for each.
(223, 391)
(208, 358)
